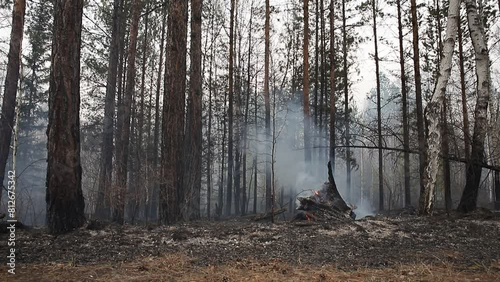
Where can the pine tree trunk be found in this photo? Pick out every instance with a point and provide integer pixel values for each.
(435, 111)
(103, 197)
(230, 160)
(123, 140)
(321, 150)
(333, 108)
(192, 180)
(65, 203)
(209, 130)
(307, 111)
(404, 98)
(346, 102)
(11, 81)
(468, 201)
(171, 194)
(156, 134)
(379, 112)
(267, 105)
(138, 185)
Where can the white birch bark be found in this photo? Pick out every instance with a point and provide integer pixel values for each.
(434, 109)
(469, 196)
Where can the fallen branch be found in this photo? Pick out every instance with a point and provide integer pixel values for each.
(268, 215)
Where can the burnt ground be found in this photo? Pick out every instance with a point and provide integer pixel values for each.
(470, 244)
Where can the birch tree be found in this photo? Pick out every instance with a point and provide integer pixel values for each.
(434, 112)
(468, 201)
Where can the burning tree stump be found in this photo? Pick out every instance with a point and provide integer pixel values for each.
(325, 205)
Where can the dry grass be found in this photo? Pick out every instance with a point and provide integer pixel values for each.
(181, 268)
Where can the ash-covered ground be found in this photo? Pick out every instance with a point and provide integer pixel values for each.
(374, 242)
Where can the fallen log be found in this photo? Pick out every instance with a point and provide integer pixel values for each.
(268, 215)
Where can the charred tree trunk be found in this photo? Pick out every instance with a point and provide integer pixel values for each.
(65, 203)
(11, 81)
(468, 201)
(193, 149)
(122, 143)
(171, 194)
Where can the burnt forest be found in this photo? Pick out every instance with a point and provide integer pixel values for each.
(249, 140)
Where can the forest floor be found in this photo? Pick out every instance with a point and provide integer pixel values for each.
(381, 248)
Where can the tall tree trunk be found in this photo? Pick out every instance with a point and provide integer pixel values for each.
(307, 111)
(321, 150)
(435, 110)
(123, 140)
(193, 150)
(209, 130)
(346, 102)
(171, 194)
(465, 110)
(379, 112)
(230, 161)
(139, 154)
(267, 105)
(64, 197)
(11, 81)
(245, 123)
(468, 201)
(239, 123)
(156, 134)
(106, 165)
(404, 98)
(256, 153)
(418, 95)
(220, 204)
(333, 108)
(316, 77)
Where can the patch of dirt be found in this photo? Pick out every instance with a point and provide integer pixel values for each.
(469, 244)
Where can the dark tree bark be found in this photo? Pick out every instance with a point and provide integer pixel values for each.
(138, 180)
(11, 81)
(244, 206)
(267, 106)
(65, 203)
(123, 140)
(209, 130)
(106, 165)
(193, 150)
(404, 102)
(307, 111)
(333, 107)
(156, 134)
(346, 101)
(379, 112)
(230, 160)
(171, 194)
